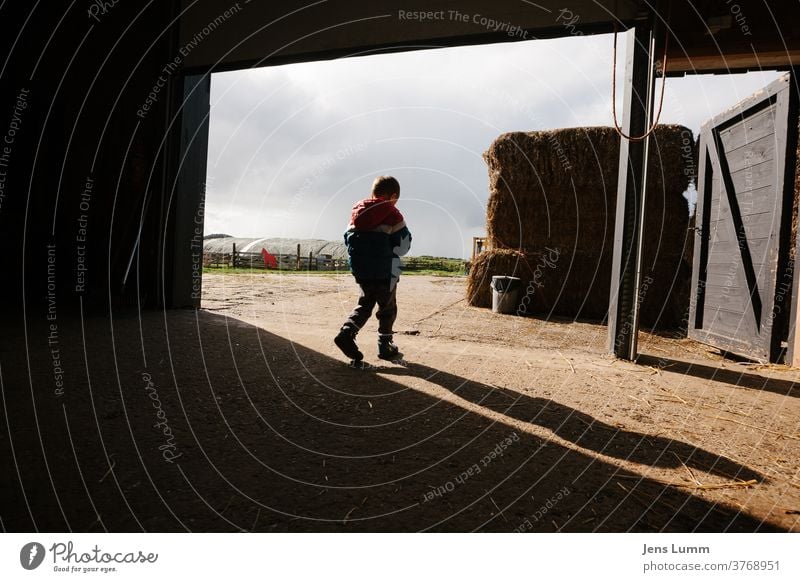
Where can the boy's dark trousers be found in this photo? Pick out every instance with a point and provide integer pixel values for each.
(375, 291)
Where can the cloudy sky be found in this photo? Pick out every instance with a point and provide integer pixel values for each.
(292, 148)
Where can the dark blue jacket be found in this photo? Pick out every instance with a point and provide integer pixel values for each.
(375, 255)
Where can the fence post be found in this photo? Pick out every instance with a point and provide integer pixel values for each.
(233, 255)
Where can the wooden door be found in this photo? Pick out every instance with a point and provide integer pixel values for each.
(743, 226)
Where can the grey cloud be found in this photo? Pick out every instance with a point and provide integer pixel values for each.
(316, 134)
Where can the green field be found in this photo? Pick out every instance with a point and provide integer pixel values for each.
(433, 264)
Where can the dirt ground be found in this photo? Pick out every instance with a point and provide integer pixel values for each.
(682, 416)
(243, 415)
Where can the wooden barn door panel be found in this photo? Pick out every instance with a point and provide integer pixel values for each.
(741, 238)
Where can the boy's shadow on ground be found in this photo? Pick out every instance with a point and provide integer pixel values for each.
(274, 436)
(718, 374)
(580, 428)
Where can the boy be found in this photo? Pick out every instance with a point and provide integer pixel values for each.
(376, 237)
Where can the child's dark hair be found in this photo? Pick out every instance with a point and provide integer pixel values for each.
(384, 186)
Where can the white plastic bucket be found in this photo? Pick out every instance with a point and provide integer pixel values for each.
(505, 292)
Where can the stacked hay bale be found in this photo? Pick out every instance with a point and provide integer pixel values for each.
(551, 216)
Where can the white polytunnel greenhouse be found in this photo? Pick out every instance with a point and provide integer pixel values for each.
(277, 246)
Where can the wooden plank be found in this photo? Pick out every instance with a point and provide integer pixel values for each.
(734, 113)
(721, 249)
(700, 248)
(736, 325)
(732, 344)
(721, 234)
(757, 202)
(793, 150)
(722, 268)
(753, 204)
(749, 130)
(783, 204)
(761, 176)
(731, 298)
(755, 222)
(761, 236)
(730, 62)
(751, 154)
(750, 202)
(727, 278)
(763, 168)
(742, 329)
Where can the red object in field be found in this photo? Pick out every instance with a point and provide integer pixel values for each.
(269, 260)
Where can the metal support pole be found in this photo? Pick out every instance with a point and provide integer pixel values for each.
(623, 312)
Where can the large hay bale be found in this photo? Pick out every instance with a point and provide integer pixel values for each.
(554, 284)
(559, 187)
(557, 190)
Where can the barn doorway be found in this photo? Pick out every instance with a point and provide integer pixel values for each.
(441, 111)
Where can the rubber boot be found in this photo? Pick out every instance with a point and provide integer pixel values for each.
(346, 341)
(386, 348)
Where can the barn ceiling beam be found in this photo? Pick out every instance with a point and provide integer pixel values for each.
(733, 62)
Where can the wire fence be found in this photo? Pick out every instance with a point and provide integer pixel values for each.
(249, 260)
(293, 262)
